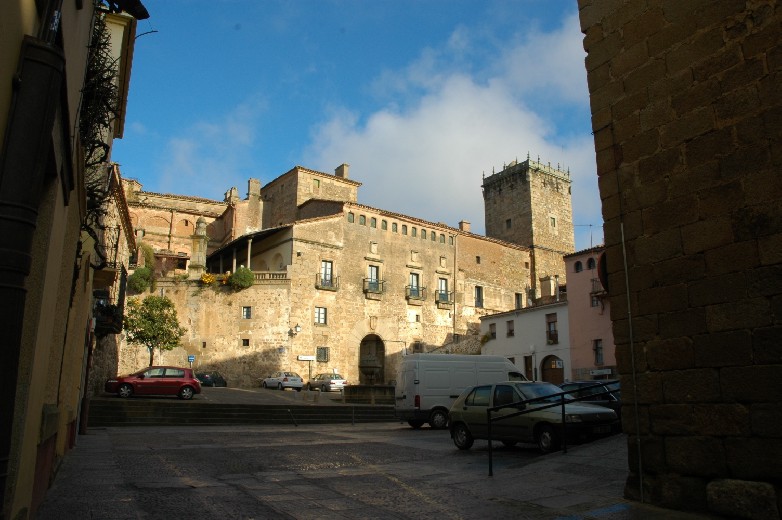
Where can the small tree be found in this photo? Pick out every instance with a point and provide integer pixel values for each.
(140, 280)
(153, 323)
(242, 278)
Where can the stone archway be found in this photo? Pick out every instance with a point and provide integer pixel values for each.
(372, 360)
(552, 370)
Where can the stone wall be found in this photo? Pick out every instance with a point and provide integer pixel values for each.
(686, 106)
(529, 204)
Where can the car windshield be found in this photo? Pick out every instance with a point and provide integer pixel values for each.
(535, 390)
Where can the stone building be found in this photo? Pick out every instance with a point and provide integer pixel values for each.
(355, 286)
(529, 203)
(686, 105)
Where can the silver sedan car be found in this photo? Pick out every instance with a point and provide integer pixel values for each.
(327, 383)
(283, 380)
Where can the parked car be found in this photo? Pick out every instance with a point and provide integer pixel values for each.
(326, 383)
(161, 380)
(213, 378)
(603, 392)
(541, 426)
(283, 380)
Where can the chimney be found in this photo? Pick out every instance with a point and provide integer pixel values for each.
(342, 170)
(254, 189)
(464, 226)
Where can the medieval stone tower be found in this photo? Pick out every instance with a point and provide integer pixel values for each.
(529, 204)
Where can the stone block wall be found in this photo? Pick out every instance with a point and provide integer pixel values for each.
(686, 104)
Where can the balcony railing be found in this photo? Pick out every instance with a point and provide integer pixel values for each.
(326, 283)
(552, 337)
(443, 297)
(374, 286)
(414, 292)
(597, 287)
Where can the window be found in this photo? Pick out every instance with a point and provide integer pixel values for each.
(552, 337)
(591, 263)
(479, 397)
(373, 278)
(203, 344)
(245, 342)
(404, 229)
(442, 239)
(423, 234)
(362, 220)
(384, 225)
(493, 330)
(578, 267)
(553, 221)
(322, 354)
(477, 259)
(326, 273)
(597, 346)
(415, 290)
(434, 236)
(442, 290)
(247, 313)
(519, 300)
(320, 315)
(351, 217)
(507, 224)
(316, 183)
(373, 222)
(413, 232)
(509, 329)
(478, 296)
(394, 227)
(594, 301)
(450, 241)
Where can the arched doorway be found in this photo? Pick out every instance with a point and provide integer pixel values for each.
(372, 360)
(553, 370)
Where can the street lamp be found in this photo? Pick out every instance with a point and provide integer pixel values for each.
(295, 330)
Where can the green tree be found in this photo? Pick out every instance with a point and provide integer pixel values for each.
(241, 279)
(140, 280)
(153, 322)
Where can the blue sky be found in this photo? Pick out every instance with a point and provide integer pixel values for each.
(420, 97)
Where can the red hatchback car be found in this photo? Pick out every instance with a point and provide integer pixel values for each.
(177, 381)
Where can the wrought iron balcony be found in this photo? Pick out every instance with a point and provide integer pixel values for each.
(443, 297)
(597, 287)
(326, 282)
(374, 286)
(414, 292)
(108, 316)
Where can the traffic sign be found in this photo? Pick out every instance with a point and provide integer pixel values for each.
(190, 358)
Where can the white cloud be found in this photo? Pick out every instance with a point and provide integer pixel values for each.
(424, 153)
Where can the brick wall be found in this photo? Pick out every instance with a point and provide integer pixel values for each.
(686, 104)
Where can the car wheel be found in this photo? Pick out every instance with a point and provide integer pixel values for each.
(415, 424)
(279, 386)
(125, 391)
(462, 437)
(186, 392)
(323, 388)
(509, 443)
(547, 439)
(438, 419)
(263, 384)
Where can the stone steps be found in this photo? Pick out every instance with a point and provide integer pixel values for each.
(136, 412)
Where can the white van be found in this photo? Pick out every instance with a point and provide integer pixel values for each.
(428, 384)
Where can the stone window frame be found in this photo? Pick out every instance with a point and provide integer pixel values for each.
(394, 227)
(351, 217)
(321, 316)
(423, 234)
(384, 225)
(413, 231)
(362, 220)
(404, 229)
(245, 342)
(247, 312)
(372, 222)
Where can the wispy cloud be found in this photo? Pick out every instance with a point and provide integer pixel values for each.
(208, 156)
(441, 128)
